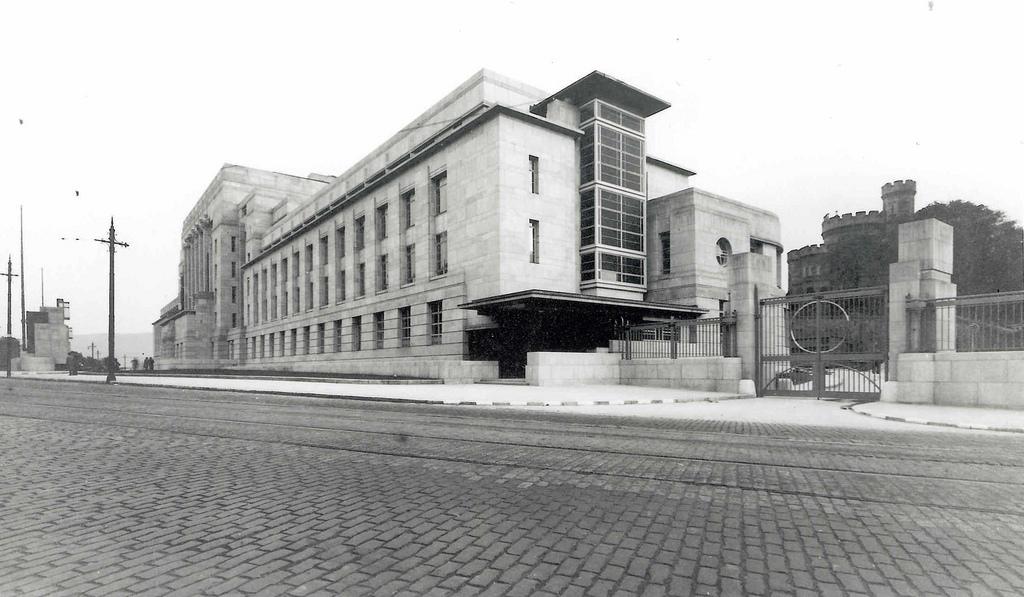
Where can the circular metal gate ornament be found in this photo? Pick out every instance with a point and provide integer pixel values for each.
(832, 317)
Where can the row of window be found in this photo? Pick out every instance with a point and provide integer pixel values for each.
(611, 267)
(618, 217)
(319, 338)
(611, 156)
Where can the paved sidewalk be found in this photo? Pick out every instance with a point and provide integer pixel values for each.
(989, 419)
(475, 394)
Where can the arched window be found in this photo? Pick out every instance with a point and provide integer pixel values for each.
(724, 251)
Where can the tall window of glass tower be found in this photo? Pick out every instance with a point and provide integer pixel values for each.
(612, 200)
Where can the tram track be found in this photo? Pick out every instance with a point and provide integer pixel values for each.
(239, 434)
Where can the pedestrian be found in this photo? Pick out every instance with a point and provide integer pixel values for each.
(72, 362)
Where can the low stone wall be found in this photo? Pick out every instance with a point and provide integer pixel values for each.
(993, 379)
(712, 374)
(451, 369)
(572, 368)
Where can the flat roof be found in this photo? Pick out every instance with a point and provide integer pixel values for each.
(614, 91)
(540, 298)
(670, 166)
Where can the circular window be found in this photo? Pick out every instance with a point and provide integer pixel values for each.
(724, 250)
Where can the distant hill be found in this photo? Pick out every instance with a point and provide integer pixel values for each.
(132, 345)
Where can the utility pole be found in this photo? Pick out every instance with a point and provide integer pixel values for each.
(92, 350)
(21, 221)
(7, 340)
(111, 242)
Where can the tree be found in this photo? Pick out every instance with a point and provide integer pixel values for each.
(986, 246)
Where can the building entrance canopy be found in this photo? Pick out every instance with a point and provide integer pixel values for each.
(543, 320)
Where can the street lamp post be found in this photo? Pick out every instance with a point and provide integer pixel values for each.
(7, 340)
(111, 241)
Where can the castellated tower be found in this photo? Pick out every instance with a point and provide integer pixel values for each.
(898, 198)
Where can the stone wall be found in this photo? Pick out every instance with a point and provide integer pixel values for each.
(572, 368)
(993, 379)
(710, 374)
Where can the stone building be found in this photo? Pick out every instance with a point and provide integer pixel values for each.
(856, 247)
(503, 220)
(47, 339)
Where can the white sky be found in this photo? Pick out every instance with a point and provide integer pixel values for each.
(802, 108)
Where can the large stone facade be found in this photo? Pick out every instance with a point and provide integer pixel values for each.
(458, 245)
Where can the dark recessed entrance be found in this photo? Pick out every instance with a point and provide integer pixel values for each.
(539, 320)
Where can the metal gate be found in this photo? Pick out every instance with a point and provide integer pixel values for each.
(832, 344)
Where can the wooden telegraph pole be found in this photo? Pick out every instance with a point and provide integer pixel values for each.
(7, 340)
(111, 242)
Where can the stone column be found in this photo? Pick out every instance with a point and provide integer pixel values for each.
(748, 271)
(924, 271)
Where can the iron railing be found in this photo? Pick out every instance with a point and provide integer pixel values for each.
(679, 339)
(975, 323)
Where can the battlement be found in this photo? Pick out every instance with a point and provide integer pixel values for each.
(899, 186)
(808, 251)
(860, 218)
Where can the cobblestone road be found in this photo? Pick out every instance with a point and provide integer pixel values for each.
(115, 490)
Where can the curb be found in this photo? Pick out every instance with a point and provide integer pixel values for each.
(501, 403)
(917, 421)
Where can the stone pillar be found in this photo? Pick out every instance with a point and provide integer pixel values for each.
(748, 271)
(924, 271)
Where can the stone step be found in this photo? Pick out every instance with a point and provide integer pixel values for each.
(504, 382)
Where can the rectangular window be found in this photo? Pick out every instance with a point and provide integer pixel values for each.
(340, 290)
(534, 174)
(296, 304)
(405, 326)
(621, 221)
(270, 352)
(622, 269)
(305, 340)
(321, 332)
(232, 244)
(439, 193)
(621, 118)
(339, 244)
(234, 320)
(325, 290)
(360, 280)
(666, 252)
(360, 240)
(337, 335)
(587, 267)
(309, 294)
(284, 291)
(281, 339)
(309, 257)
(436, 321)
(234, 269)
(263, 346)
(234, 295)
(587, 218)
(407, 202)
(357, 332)
(441, 253)
(324, 250)
(382, 222)
(622, 158)
(378, 329)
(263, 296)
(255, 298)
(587, 155)
(409, 265)
(382, 273)
(295, 341)
(534, 241)
(273, 291)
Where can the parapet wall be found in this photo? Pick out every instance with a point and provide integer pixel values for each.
(808, 251)
(860, 218)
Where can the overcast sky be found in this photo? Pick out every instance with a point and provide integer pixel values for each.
(802, 108)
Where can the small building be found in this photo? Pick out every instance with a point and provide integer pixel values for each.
(503, 220)
(47, 339)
